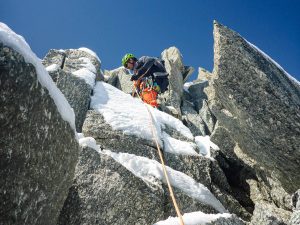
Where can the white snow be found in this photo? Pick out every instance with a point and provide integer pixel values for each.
(87, 50)
(194, 218)
(274, 62)
(204, 144)
(80, 135)
(178, 147)
(52, 68)
(17, 42)
(130, 115)
(89, 142)
(148, 170)
(88, 64)
(187, 85)
(85, 74)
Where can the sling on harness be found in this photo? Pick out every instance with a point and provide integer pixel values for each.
(148, 91)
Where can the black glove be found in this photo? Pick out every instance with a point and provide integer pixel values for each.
(134, 77)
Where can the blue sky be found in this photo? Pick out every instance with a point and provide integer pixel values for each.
(113, 28)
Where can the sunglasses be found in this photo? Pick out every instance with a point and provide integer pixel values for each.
(132, 62)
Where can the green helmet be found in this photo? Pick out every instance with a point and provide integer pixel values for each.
(126, 57)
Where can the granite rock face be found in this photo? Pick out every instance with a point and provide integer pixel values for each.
(71, 60)
(192, 119)
(295, 217)
(68, 69)
(196, 89)
(255, 93)
(250, 98)
(263, 103)
(175, 68)
(203, 74)
(96, 127)
(197, 167)
(267, 214)
(248, 106)
(105, 192)
(120, 78)
(38, 149)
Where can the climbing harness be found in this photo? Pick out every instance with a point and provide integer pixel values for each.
(163, 163)
(148, 91)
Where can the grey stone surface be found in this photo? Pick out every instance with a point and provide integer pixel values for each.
(203, 74)
(77, 92)
(74, 61)
(196, 89)
(38, 149)
(175, 67)
(96, 127)
(247, 105)
(208, 173)
(54, 56)
(295, 217)
(199, 99)
(71, 60)
(233, 220)
(188, 71)
(192, 119)
(267, 214)
(197, 167)
(75, 89)
(239, 174)
(208, 117)
(296, 200)
(261, 104)
(120, 78)
(105, 192)
(248, 181)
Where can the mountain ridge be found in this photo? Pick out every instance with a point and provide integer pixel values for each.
(251, 170)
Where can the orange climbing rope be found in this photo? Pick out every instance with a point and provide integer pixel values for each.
(163, 165)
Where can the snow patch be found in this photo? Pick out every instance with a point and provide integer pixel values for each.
(204, 144)
(85, 74)
(18, 43)
(187, 85)
(194, 218)
(274, 62)
(89, 142)
(147, 169)
(89, 51)
(52, 68)
(88, 64)
(128, 114)
(178, 147)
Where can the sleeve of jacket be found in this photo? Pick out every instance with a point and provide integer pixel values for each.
(142, 65)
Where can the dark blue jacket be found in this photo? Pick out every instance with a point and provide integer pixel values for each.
(148, 65)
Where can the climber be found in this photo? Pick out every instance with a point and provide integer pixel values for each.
(149, 76)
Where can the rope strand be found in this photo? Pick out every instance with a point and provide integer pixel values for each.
(163, 164)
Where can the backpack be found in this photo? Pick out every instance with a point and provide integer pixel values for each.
(161, 77)
(162, 80)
